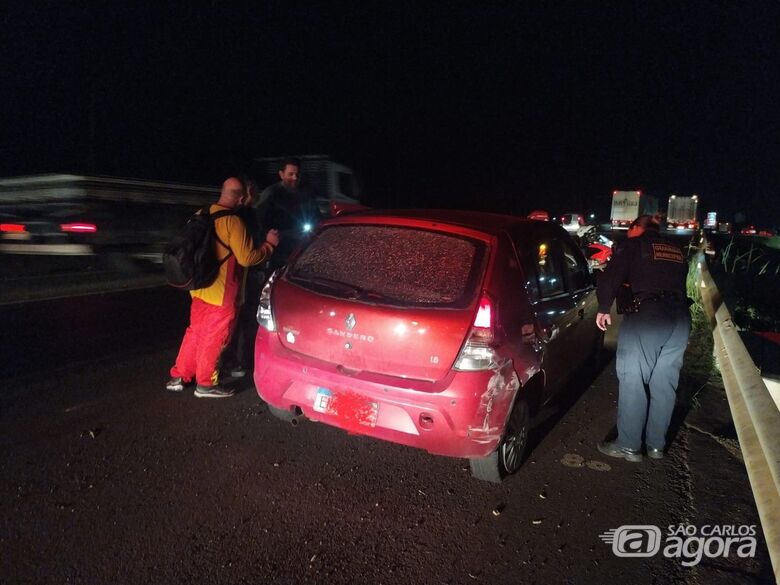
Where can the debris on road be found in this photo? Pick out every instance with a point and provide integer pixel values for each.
(573, 460)
(598, 466)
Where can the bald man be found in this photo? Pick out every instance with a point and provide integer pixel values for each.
(214, 308)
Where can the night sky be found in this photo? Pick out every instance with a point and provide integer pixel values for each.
(504, 106)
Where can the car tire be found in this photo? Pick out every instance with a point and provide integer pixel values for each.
(511, 451)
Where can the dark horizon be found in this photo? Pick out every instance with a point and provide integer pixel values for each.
(500, 107)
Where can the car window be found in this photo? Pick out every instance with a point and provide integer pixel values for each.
(392, 265)
(575, 266)
(549, 272)
(516, 289)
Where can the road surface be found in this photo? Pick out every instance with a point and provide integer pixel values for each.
(105, 477)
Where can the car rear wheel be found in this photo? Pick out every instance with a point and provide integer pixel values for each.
(511, 451)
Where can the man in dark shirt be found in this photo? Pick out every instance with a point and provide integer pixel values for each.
(286, 207)
(651, 341)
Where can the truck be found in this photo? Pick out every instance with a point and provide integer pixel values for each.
(63, 214)
(628, 205)
(328, 180)
(681, 212)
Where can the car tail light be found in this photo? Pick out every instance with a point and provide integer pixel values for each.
(81, 228)
(265, 316)
(12, 227)
(477, 353)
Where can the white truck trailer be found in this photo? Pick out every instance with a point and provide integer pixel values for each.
(681, 213)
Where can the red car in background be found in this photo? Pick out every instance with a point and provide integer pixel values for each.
(753, 231)
(597, 248)
(440, 330)
(539, 215)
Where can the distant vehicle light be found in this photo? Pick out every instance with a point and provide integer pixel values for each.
(539, 214)
(306, 227)
(82, 228)
(12, 227)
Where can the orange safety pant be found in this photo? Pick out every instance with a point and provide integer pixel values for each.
(205, 338)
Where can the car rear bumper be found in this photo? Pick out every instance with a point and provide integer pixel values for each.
(461, 416)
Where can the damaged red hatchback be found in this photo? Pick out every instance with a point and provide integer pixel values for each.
(441, 330)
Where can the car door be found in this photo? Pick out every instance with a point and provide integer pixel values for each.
(555, 312)
(581, 289)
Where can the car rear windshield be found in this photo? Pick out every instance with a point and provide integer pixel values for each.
(392, 265)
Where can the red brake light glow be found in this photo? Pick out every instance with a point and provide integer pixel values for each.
(12, 227)
(84, 228)
(484, 314)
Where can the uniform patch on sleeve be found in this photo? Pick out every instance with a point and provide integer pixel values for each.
(668, 253)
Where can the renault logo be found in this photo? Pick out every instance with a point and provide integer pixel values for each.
(350, 322)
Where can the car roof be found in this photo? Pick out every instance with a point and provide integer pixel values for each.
(488, 223)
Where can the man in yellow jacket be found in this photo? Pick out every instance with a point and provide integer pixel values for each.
(214, 308)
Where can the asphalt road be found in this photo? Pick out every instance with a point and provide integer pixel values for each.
(107, 478)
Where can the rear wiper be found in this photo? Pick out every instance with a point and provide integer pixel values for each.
(335, 285)
(373, 296)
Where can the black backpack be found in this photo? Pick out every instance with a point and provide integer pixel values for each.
(189, 259)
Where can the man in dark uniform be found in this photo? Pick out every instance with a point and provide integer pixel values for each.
(651, 341)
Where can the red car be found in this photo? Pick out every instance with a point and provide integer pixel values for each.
(539, 214)
(753, 231)
(440, 330)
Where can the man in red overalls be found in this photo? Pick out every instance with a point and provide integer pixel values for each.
(214, 308)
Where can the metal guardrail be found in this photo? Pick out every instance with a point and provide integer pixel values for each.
(756, 416)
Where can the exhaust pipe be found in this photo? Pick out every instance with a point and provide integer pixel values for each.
(297, 415)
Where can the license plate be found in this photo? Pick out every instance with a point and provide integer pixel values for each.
(351, 408)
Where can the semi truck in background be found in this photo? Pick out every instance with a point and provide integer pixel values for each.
(628, 205)
(681, 213)
(328, 180)
(80, 215)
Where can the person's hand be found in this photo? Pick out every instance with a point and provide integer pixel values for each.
(272, 237)
(603, 320)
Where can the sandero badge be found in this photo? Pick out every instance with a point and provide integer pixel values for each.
(452, 328)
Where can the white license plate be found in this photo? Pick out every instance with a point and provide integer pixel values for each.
(347, 406)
